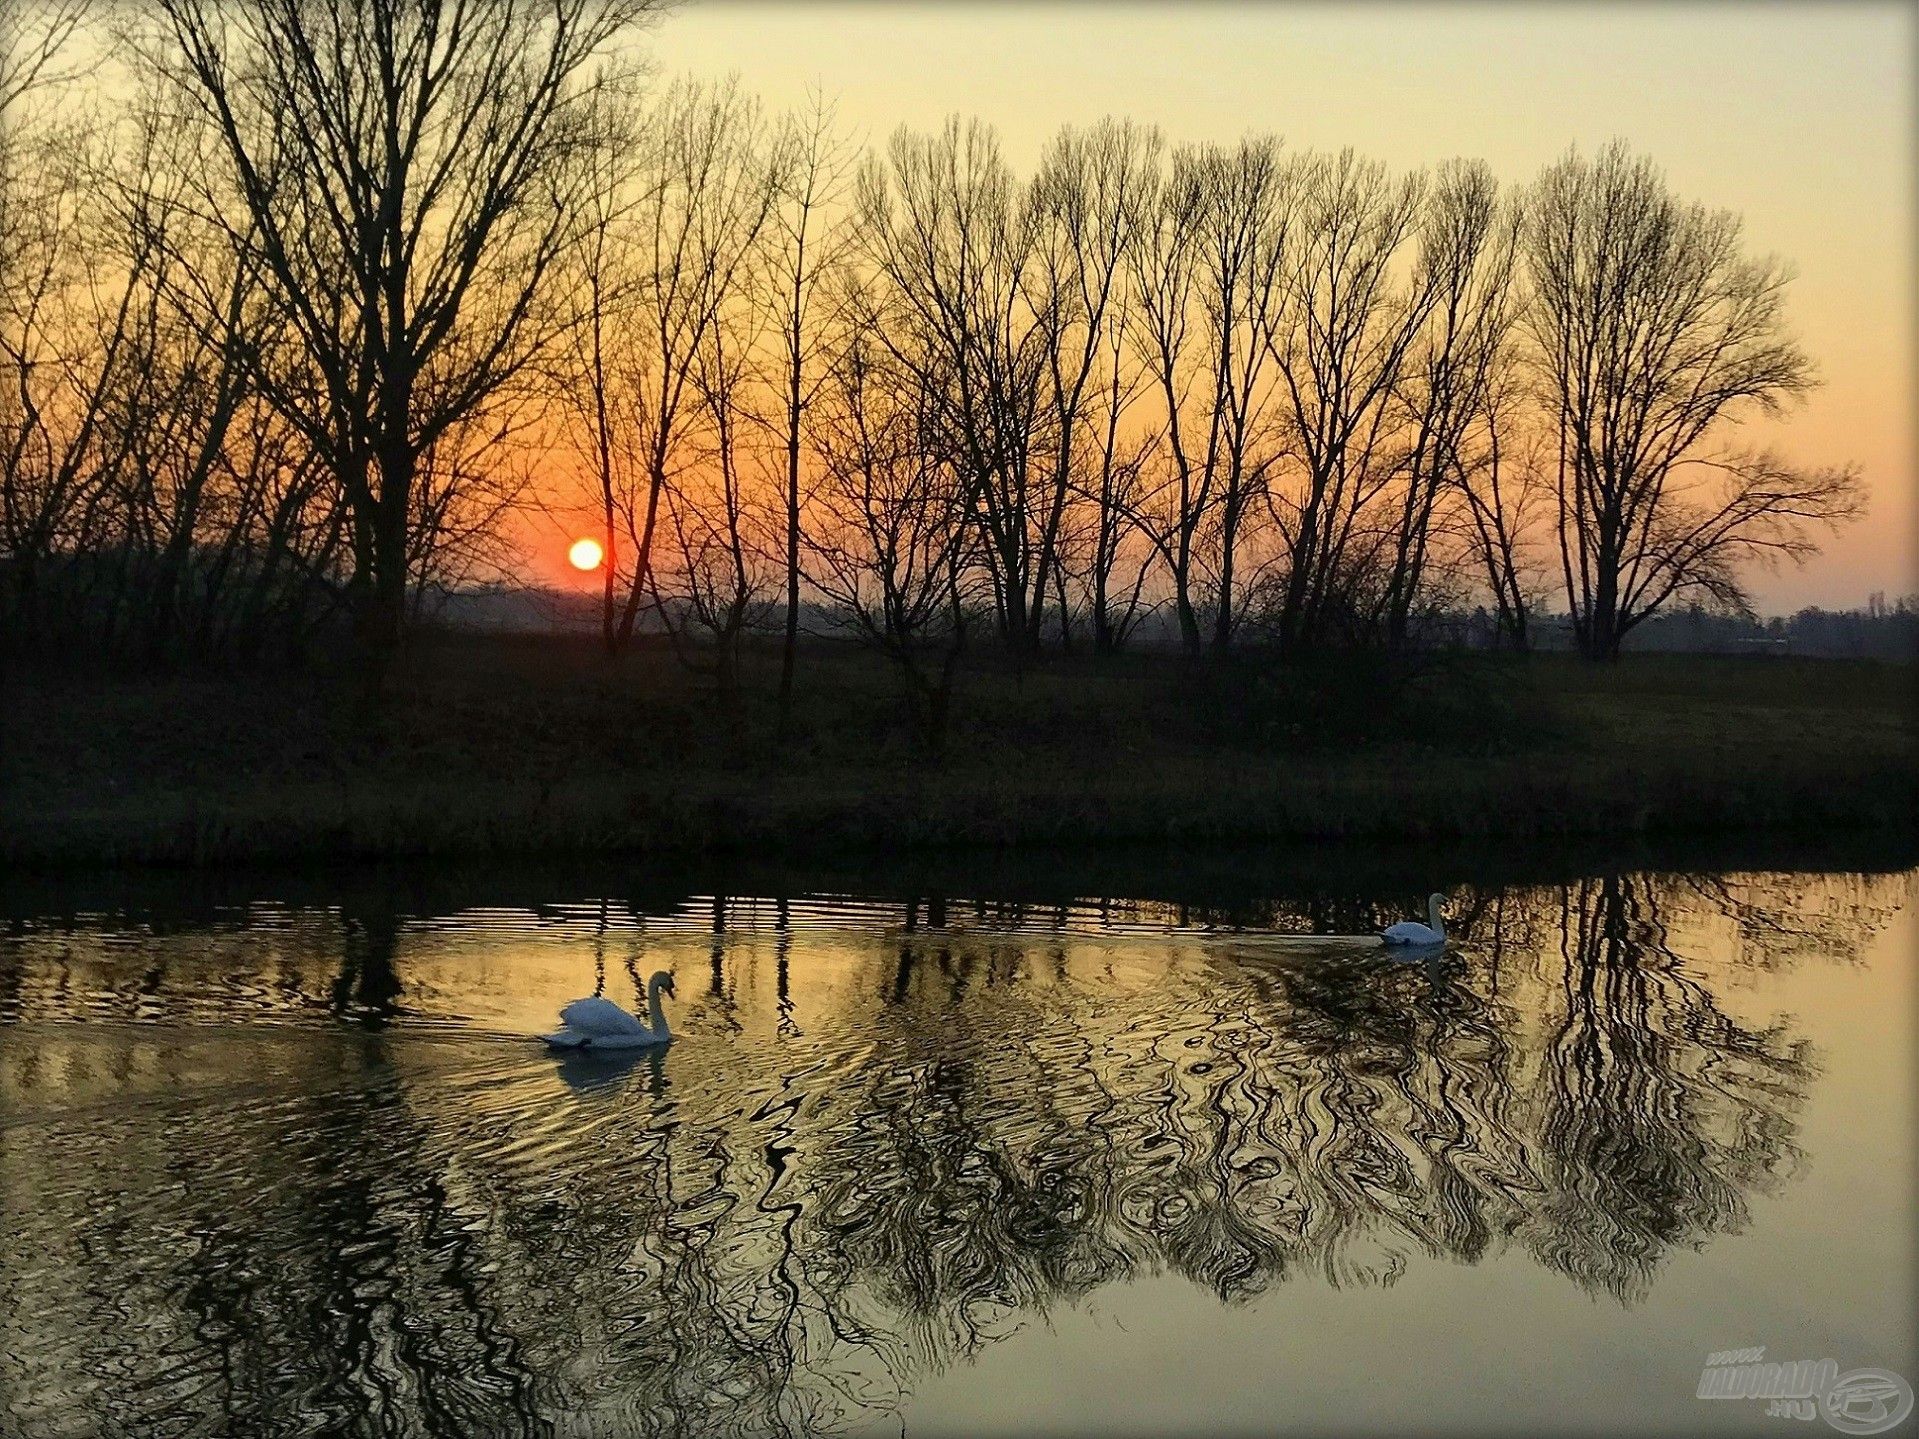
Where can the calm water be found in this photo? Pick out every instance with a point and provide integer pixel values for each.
(272, 1163)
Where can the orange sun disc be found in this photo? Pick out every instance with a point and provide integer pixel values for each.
(585, 555)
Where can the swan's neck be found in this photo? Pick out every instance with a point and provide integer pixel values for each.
(1437, 920)
(655, 1016)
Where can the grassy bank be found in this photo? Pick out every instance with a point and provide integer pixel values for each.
(504, 746)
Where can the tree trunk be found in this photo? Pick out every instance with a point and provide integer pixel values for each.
(1183, 606)
(790, 640)
(1223, 615)
(381, 616)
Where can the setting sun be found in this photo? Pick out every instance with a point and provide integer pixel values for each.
(585, 554)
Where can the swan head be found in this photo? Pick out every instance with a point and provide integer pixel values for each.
(662, 982)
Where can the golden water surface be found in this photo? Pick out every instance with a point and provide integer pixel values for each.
(955, 1167)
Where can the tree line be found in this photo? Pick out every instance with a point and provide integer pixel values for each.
(305, 301)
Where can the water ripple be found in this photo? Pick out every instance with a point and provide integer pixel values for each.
(305, 1172)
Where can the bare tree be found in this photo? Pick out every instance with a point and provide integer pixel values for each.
(891, 536)
(70, 325)
(1112, 458)
(807, 244)
(272, 341)
(474, 476)
(41, 189)
(1086, 201)
(224, 531)
(202, 323)
(670, 247)
(1164, 261)
(591, 380)
(1501, 482)
(721, 571)
(410, 179)
(1210, 272)
(1350, 328)
(949, 242)
(37, 50)
(1655, 334)
(1249, 241)
(1467, 257)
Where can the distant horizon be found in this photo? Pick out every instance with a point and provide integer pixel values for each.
(1544, 612)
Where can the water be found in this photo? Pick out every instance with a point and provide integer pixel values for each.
(282, 1159)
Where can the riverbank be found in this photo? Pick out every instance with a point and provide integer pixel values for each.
(493, 746)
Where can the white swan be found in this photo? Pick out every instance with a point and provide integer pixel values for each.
(1411, 931)
(602, 1024)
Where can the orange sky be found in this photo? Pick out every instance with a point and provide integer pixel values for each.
(1798, 116)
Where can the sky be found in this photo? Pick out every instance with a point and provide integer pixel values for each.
(1798, 116)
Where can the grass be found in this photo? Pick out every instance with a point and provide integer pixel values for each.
(502, 746)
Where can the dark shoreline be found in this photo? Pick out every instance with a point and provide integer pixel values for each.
(1367, 799)
(495, 752)
(1203, 876)
(718, 834)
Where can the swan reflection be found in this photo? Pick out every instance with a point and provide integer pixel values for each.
(606, 1072)
(875, 1156)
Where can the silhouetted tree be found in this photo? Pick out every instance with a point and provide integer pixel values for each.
(807, 244)
(409, 178)
(1656, 334)
(948, 240)
(1468, 248)
(1209, 264)
(1342, 353)
(891, 545)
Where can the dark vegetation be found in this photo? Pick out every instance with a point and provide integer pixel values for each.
(512, 745)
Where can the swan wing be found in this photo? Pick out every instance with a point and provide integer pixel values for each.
(599, 1016)
(567, 1039)
(1409, 931)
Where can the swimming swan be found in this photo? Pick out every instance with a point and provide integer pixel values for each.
(602, 1024)
(1411, 931)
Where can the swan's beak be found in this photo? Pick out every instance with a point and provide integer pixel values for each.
(668, 987)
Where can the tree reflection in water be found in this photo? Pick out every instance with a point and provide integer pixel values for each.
(778, 1226)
